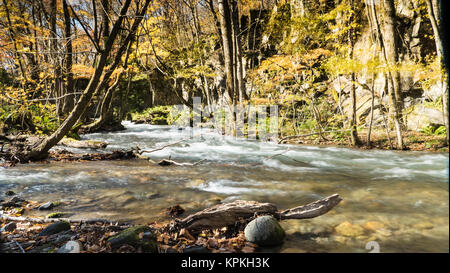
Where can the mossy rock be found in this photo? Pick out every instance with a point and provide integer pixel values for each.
(55, 228)
(264, 231)
(56, 215)
(131, 237)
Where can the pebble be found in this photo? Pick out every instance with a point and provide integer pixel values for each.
(71, 247)
(424, 225)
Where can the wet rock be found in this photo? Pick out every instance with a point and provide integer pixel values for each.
(47, 206)
(373, 226)
(349, 230)
(196, 249)
(13, 202)
(10, 193)
(55, 228)
(71, 247)
(264, 231)
(139, 236)
(10, 227)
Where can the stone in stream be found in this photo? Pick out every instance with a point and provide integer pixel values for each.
(264, 231)
(10, 193)
(9, 227)
(139, 236)
(55, 228)
(71, 247)
(350, 230)
(47, 206)
(13, 202)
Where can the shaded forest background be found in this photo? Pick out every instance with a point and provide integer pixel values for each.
(341, 71)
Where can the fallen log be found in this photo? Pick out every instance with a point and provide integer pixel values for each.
(227, 214)
(83, 144)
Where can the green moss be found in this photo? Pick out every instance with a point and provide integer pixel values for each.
(56, 215)
(131, 237)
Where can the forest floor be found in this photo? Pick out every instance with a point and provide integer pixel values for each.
(413, 140)
(19, 234)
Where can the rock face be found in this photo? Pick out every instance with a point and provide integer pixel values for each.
(71, 247)
(131, 236)
(264, 231)
(55, 228)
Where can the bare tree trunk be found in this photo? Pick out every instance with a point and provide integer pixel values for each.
(390, 44)
(434, 11)
(40, 149)
(227, 39)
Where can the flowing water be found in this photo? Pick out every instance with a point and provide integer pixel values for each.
(397, 199)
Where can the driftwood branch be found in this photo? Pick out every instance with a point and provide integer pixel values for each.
(227, 214)
(313, 209)
(168, 162)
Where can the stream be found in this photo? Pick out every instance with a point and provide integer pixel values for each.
(397, 199)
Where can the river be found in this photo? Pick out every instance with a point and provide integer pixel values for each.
(399, 200)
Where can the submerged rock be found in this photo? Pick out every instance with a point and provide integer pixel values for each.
(139, 236)
(10, 193)
(264, 231)
(196, 249)
(55, 228)
(350, 230)
(373, 225)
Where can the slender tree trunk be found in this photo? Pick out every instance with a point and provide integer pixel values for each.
(390, 43)
(353, 122)
(40, 150)
(240, 82)
(69, 101)
(434, 12)
(227, 40)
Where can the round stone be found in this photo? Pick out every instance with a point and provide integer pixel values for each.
(264, 231)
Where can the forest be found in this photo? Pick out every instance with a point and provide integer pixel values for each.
(361, 85)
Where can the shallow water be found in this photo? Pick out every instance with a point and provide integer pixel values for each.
(405, 193)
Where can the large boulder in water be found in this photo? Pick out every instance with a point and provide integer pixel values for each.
(131, 236)
(264, 231)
